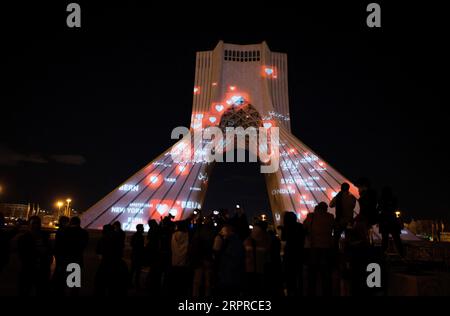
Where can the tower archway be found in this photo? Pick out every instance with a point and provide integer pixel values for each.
(228, 91)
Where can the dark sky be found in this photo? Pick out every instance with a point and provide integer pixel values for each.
(83, 109)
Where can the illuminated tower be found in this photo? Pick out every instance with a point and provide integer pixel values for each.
(234, 85)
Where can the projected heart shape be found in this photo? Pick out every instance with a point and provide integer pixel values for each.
(267, 125)
(153, 179)
(219, 107)
(212, 119)
(162, 208)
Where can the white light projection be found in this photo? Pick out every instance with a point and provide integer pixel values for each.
(222, 86)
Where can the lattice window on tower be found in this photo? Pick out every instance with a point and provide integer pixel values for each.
(241, 56)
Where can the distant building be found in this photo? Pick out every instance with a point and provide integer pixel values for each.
(14, 211)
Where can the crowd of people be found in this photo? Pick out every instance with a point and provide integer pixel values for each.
(220, 254)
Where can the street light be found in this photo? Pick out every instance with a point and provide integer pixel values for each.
(397, 213)
(68, 207)
(59, 204)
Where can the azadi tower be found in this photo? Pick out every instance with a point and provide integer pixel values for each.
(235, 85)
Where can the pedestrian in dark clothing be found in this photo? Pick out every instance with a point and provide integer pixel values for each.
(119, 236)
(231, 263)
(274, 269)
(76, 241)
(36, 257)
(201, 254)
(60, 249)
(166, 230)
(180, 277)
(345, 203)
(389, 223)
(367, 203)
(293, 233)
(153, 258)
(319, 226)
(112, 274)
(257, 259)
(137, 255)
(241, 223)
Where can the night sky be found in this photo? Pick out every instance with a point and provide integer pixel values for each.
(83, 109)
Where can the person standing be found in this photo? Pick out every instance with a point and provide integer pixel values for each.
(76, 242)
(368, 214)
(36, 257)
(137, 255)
(60, 252)
(389, 223)
(201, 257)
(293, 234)
(153, 258)
(179, 280)
(257, 259)
(319, 226)
(345, 203)
(231, 262)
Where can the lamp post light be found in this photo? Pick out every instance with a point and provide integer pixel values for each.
(59, 204)
(68, 207)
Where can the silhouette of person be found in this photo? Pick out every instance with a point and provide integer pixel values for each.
(389, 223)
(35, 255)
(357, 256)
(137, 255)
(319, 226)
(257, 256)
(77, 240)
(119, 236)
(293, 233)
(153, 258)
(60, 249)
(201, 254)
(274, 274)
(368, 214)
(112, 274)
(180, 247)
(231, 262)
(105, 251)
(345, 203)
(165, 251)
(241, 223)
